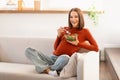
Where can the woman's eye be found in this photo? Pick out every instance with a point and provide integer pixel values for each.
(71, 17)
(76, 16)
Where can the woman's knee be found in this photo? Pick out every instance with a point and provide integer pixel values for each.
(64, 58)
(60, 62)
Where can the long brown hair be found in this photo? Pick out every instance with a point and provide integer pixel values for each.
(80, 16)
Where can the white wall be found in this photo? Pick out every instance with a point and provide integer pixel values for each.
(112, 24)
(106, 32)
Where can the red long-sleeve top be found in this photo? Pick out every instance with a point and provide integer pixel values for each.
(61, 46)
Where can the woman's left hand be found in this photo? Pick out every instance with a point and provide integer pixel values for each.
(74, 42)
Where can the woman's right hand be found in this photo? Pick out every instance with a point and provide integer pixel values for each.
(60, 31)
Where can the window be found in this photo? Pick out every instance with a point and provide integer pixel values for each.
(7, 5)
(49, 5)
(19, 4)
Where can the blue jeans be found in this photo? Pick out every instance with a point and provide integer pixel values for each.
(43, 62)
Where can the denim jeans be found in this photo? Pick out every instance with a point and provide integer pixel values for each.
(42, 61)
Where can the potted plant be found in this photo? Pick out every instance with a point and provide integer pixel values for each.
(93, 14)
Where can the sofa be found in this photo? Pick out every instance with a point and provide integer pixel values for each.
(14, 65)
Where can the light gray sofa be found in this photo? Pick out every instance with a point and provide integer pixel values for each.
(15, 66)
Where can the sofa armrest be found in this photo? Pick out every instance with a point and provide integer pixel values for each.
(88, 66)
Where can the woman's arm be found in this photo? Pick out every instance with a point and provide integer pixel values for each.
(91, 43)
(57, 41)
(59, 37)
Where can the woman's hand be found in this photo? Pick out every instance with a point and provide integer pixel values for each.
(73, 42)
(60, 31)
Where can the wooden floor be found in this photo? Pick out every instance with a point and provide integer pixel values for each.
(104, 72)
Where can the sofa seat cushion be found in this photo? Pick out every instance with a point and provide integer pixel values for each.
(15, 71)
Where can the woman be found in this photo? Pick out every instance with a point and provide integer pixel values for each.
(69, 40)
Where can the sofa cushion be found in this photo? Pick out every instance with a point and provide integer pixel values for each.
(16, 46)
(14, 71)
(78, 65)
(70, 70)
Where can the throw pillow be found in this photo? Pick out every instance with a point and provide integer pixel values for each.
(70, 70)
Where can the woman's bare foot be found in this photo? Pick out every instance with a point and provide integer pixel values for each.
(50, 72)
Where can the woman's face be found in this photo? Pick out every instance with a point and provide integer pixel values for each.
(74, 19)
